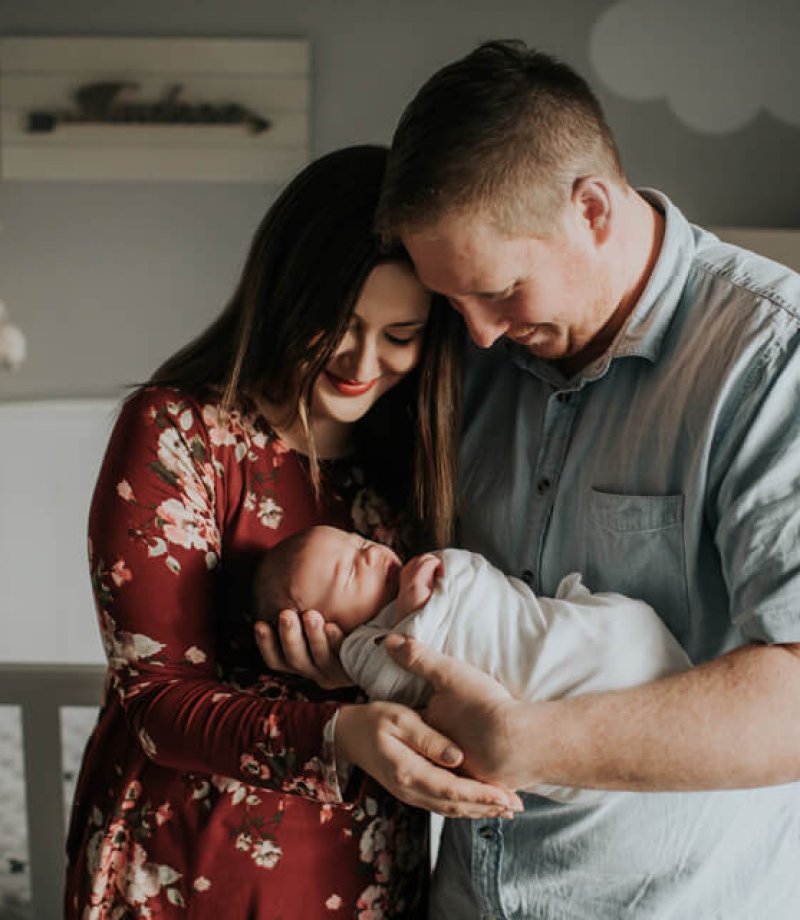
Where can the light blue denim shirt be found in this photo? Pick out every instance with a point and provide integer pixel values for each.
(668, 470)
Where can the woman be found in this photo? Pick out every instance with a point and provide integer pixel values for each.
(210, 787)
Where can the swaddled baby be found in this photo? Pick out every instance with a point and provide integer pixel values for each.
(539, 648)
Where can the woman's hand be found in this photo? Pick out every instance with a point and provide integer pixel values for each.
(414, 762)
(305, 644)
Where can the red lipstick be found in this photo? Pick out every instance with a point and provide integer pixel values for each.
(350, 387)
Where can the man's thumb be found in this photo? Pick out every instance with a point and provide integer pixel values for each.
(418, 658)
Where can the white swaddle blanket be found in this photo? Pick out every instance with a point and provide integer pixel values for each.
(538, 648)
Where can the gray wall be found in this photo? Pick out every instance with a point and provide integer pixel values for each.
(107, 279)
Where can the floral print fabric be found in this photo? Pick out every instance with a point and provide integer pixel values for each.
(209, 786)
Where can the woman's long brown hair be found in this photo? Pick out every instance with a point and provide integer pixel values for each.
(305, 269)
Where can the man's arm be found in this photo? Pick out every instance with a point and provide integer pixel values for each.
(731, 722)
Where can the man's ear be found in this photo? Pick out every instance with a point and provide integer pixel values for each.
(593, 203)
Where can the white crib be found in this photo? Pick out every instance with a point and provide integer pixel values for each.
(41, 692)
(51, 658)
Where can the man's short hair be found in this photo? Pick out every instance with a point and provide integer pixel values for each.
(505, 132)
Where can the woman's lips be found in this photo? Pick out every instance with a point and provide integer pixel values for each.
(350, 387)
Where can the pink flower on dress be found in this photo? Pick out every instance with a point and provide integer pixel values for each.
(125, 491)
(183, 527)
(120, 573)
(248, 764)
(270, 513)
(244, 842)
(132, 793)
(201, 883)
(163, 814)
(222, 426)
(370, 904)
(334, 902)
(266, 853)
(194, 655)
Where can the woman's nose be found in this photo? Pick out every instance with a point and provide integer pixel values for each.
(362, 361)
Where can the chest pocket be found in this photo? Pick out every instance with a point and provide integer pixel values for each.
(635, 546)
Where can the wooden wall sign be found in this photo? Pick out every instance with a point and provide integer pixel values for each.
(163, 109)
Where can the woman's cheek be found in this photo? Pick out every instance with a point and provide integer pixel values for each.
(406, 361)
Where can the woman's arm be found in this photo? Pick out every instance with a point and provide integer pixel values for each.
(156, 543)
(389, 741)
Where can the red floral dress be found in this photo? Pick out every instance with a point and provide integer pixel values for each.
(209, 787)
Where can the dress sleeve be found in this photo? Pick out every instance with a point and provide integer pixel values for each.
(155, 541)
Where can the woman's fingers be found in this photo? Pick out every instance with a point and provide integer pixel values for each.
(269, 648)
(323, 644)
(386, 740)
(293, 643)
(303, 645)
(449, 790)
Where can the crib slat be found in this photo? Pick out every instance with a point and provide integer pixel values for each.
(40, 691)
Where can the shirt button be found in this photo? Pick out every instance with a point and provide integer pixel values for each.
(488, 833)
(563, 397)
(527, 577)
(543, 486)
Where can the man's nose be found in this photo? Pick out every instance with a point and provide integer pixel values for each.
(484, 328)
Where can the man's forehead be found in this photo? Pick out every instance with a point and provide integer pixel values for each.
(463, 257)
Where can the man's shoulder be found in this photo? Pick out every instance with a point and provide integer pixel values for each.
(729, 274)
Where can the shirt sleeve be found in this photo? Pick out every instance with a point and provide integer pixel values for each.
(155, 534)
(755, 509)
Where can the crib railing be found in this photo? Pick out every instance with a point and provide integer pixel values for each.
(40, 691)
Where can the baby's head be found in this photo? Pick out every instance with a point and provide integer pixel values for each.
(347, 578)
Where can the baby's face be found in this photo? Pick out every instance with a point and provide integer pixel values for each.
(344, 576)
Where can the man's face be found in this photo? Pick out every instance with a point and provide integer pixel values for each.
(551, 295)
(345, 577)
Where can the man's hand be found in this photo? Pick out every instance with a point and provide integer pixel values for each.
(408, 757)
(416, 583)
(306, 645)
(468, 706)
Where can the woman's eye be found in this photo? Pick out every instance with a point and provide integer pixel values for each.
(401, 339)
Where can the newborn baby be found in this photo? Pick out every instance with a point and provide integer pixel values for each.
(457, 602)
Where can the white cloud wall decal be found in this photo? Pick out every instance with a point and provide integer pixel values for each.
(717, 63)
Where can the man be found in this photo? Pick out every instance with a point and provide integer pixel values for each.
(631, 413)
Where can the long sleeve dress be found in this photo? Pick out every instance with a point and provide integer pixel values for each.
(209, 787)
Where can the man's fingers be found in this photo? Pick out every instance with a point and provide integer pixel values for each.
(420, 659)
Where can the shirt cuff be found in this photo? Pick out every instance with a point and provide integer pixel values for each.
(339, 771)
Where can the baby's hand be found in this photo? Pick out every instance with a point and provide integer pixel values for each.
(416, 583)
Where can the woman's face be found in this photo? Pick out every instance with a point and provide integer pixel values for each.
(382, 344)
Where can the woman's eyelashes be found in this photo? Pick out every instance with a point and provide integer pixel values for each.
(396, 340)
(405, 338)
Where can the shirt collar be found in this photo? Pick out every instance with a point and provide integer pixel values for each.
(643, 333)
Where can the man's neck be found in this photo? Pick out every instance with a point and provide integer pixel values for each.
(637, 245)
